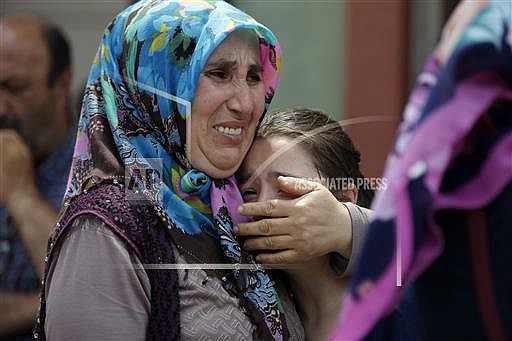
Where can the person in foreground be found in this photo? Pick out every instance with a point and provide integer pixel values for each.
(36, 147)
(442, 228)
(150, 193)
(307, 144)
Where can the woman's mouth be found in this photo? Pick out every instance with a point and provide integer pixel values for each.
(229, 131)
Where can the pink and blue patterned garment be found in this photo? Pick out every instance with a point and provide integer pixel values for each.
(428, 171)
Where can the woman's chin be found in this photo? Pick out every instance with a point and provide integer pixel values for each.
(222, 166)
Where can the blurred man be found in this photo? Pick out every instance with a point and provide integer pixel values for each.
(35, 155)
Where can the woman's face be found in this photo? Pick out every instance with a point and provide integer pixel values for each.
(261, 184)
(228, 103)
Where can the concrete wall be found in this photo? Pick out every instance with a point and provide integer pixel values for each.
(425, 23)
(312, 38)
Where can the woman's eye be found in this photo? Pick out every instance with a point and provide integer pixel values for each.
(253, 78)
(217, 74)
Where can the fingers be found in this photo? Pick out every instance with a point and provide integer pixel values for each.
(269, 243)
(280, 207)
(268, 208)
(11, 141)
(297, 186)
(264, 227)
(282, 257)
(10, 133)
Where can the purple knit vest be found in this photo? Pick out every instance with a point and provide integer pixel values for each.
(143, 232)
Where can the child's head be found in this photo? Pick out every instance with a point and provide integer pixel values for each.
(303, 143)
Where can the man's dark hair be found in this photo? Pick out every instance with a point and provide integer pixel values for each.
(333, 153)
(60, 54)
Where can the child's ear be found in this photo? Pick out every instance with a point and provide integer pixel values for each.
(350, 194)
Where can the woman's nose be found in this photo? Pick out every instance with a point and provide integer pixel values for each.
(240, 100)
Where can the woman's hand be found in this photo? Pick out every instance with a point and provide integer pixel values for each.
(297, 230)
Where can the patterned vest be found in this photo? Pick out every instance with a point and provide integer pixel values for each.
(145, 233)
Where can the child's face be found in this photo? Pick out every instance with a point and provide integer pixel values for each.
(258, 180)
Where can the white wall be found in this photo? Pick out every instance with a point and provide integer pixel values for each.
(425, 22)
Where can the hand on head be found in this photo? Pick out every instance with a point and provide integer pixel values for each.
(297, 218)
(296, 230)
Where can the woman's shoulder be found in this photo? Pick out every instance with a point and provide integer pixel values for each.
(90, 224)
(91, 232)
(111, 201)
(117, 210)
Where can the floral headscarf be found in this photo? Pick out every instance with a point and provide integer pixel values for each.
(133, 125)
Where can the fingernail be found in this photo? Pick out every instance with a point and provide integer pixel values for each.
(240, 209)
(258, 258)
(235, 228)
